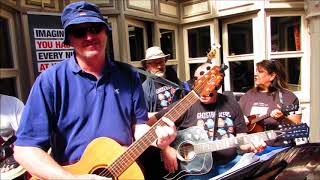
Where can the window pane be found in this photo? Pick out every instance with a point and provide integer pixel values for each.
(292, 67)
(8, 87)
(136, 42)
(167, 40)
(285, 33)
(199, 41)
(240, 39)
(5, 55)
(241, 75)
(193, 68)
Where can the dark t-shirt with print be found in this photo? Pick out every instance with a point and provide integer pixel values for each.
(230, 122)
(165, 95)
(262, 103)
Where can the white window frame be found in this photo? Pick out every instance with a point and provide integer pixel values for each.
(136, 23)
(175, 29)
(257, 27)
(213, 39)
(304, 94)
(11, 72)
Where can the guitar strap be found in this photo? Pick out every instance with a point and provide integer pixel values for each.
(280, 98)
(158, 79)
(216, 116)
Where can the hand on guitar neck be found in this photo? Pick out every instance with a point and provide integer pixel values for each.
(253, 120)
(277, 113)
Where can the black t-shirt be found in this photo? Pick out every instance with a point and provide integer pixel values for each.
(230, 122)
(165, 95)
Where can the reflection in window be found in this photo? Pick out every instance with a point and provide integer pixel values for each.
(241, 75)
(199, 41)
(136, 42)
(285, 33)
(5, 55)
(292, 67)
(167, 41)
(240, 38)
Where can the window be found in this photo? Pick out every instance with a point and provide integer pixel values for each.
(199, 41)
(136, 42)
(5, 55)
(193, 68)
(240, 38)
(241, 75)
(137, 39)
(286, 41)
(167, 40)
(9, 73)
(285, 33)
(238, 47)
(292, 67)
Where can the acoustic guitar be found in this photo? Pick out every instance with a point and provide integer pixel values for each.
(253, 127)
(194, 147)
(120, 163)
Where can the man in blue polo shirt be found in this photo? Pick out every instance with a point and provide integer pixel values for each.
(80, 99)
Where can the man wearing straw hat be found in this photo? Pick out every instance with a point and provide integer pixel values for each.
(158, 95)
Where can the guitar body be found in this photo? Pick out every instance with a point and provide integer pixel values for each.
(199, 164)
(254, 127)
(17, 172)
(98, 155)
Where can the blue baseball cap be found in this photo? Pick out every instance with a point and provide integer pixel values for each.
(81, 12)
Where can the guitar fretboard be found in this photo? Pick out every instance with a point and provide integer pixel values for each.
(227, 143)
(260, 118)
(139, 146)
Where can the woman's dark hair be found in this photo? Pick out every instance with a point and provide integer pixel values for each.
(274, 66)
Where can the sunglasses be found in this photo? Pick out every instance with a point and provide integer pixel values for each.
(157, 62)
(82, 32)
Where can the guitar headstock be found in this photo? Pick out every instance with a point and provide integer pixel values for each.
(209, 77)
(293, 131)
(212, 53)
(211, 81)
(290, 108)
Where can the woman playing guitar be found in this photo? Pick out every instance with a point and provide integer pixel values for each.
(269, 95)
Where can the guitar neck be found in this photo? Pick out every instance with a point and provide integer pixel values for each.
(287, 109)
(260, 118)
(139, 146)
(222, 144)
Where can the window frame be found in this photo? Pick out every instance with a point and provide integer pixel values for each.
(214, 38)
(139, 24)
(12, 72)
(304, 93)
(242, 57)
(175, 29)
(115, 37)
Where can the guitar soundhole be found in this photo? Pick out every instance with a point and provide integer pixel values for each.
(103, 172)
(186, 151)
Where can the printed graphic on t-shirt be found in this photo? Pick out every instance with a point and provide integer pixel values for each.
(225, 125)
(165, 96)
(259, 109)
